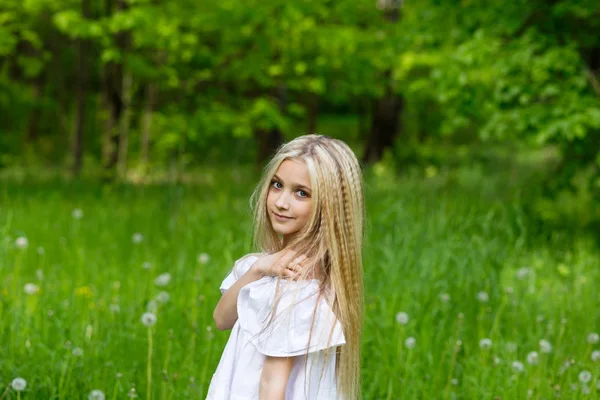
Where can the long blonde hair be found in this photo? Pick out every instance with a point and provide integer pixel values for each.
(332, 238)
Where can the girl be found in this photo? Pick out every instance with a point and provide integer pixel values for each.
(296, 311)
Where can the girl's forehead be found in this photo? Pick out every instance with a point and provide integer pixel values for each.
(294, 171)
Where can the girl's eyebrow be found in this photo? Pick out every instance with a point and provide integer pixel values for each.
(297, 185)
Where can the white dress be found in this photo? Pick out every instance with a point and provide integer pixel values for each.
(238, 373)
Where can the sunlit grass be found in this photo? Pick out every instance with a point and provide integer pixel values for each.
(81, 264)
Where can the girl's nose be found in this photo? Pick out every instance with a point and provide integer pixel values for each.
(282, 202)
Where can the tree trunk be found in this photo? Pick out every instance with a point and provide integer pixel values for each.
(82, 72)
(34, 117)
(268, 142)
(147, 123)
(124, 125)
(385, 125)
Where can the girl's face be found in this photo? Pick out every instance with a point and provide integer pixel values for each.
(289, 202)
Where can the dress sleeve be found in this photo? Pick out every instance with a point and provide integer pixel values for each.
(288, 332)
(240, 267)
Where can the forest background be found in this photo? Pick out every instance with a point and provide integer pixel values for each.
(474, 110)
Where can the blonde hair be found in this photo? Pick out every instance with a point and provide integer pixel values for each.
(331, 239)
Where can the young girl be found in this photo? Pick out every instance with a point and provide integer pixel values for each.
(296, 307)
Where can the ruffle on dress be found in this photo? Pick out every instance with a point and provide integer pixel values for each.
(288, 333)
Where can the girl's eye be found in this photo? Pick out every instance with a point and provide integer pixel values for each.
(303, 195)
(275, 183)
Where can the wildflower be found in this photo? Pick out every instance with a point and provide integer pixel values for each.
(410, 342)
(593, 338)
(137, 238)
(21, 242)
(532, 358)
(148, 319)
(77, 351)
(585, 376)
(31, 288)
(522, 273)
(445, 297)
(152, 306)
(483, 297)
(517, 366)
(203, 258)
(485, 343)
(18, 384)
(511, 347)
(596, 356)
(96, 395)
(132, 394)
(163, 297)
(77, 213)
(402, 318)
(545, 346)
(497, 360)
(163, 279)
(84, 291)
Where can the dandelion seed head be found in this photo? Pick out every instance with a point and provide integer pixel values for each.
(18, 384)
(596, 356)
(96, 395)
(483, 297)
(517, 366)
(203, 258)
(532, 357)
(444, 297)
(77, 213)
(545, 346)
(585, 389)
(497, 360)
(137, 238)
(485, 343)
(21, 242)
(410, 342)
(402, 318)
(148, 319)
(593, 338)
(163, 279)
(585, 376)
(454, 381)
(163, 297)
(31, 288)
(132, 394)
(523, 273)
(511, 347)
(77, 351)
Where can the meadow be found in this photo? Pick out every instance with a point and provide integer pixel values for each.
(465, 297)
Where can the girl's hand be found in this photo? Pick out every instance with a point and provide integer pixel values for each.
(285, 263)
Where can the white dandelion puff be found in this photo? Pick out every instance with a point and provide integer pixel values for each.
(511, 347)
(96, 395)
(31, 288)
(18, 384)
(137, 238)
(163, 279)
(523, 273)
(497, 360)
(402, 318)
(22, 242)
(485, 343)
(410, 342)
(593, 338)
(596, 356)
(152, 306)
(585, 389)
(585, 376)
(532, 357)
(77, 213)
(203, 258)
(444, 297)
(545, 346)
(132, 394)
(163, 297)
(77, 352)
(483, 297)
(148, 319)
(517, 366)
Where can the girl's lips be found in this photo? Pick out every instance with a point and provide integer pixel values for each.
(281, 217)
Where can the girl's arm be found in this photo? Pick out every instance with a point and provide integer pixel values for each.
(225, 313)
(275, 374)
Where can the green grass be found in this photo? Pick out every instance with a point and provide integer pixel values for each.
(428, 239)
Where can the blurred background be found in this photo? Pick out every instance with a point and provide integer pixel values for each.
(132, 133)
